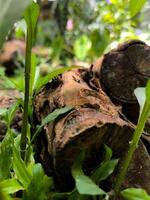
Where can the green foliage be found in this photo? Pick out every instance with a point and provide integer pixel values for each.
(145, 112)
(5, 158)
(39, 186)
(81, 47)
(136, 6)
(51, 117)
(135, 194)
(105, 168)
(84, 184)
(31, 16)
(4, 195)
(11, 12)
(20, 168)
(10, 186)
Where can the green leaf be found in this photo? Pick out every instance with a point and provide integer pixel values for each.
(135, 6)
(135, 194)
(39, 186)
(10, 186)
(108, 153)
(11, 11)
(4, 195)
(141, 97)
(20, 169)
(31, 17)
(147, 92)
(104, 170)
(5, 157)
(3, 111)
(51, 117)
(43, 80)
(81, 47)
(12, 110)
(84, 184)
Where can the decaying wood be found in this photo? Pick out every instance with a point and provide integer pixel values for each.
(99, 96)
(13, 52)
(94, 121)
(121, 71)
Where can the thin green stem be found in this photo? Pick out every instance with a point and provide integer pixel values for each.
(27, 88)
(133, 145)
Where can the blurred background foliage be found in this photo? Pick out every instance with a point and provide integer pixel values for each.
(79, 31)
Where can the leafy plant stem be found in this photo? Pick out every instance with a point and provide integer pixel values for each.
(27, 88)
(133, 145)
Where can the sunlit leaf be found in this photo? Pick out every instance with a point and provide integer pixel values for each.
(136, 6)
(11, 11)
(135, 194)
(4, 195)
(31, 16)
(10, 186)
(84, 184)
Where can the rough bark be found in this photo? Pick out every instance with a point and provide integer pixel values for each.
(121, 71)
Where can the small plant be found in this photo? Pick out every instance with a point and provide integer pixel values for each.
(144, 114)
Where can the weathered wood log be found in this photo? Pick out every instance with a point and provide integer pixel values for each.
(94, 121)
(121, 71)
